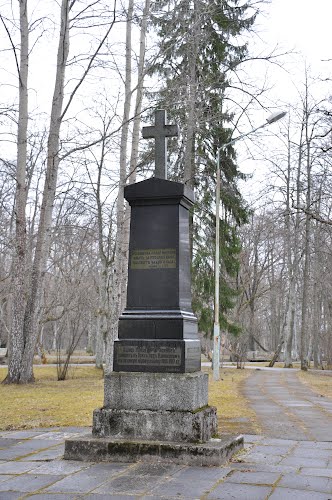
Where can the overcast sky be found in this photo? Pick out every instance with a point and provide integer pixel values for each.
(304, 27)
(304, 24)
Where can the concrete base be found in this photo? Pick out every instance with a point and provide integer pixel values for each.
(156, 391)
(182, 426)
(91, 449)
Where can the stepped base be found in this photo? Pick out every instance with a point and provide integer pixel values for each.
(200, 425)
(212, 453)
(156, 391)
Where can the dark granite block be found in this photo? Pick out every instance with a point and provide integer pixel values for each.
(171, 356)
(159, 284)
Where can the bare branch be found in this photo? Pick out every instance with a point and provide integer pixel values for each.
(313, 215)
(89, 65)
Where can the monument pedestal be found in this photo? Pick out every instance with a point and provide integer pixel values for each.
(156, 400)
(155, 417)
(213, 453)
(156, 406)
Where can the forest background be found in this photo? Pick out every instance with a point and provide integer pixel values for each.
(78, 78)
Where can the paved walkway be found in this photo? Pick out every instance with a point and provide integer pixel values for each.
(31, 464)
(288, 409)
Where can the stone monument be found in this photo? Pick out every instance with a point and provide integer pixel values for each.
(156, 399)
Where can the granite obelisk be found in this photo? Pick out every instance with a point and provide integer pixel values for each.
(156, 399)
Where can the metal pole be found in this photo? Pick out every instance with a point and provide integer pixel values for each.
(216, 326)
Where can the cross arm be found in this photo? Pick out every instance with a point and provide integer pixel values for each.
(168, 131)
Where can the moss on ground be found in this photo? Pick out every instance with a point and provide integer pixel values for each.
(318, 382)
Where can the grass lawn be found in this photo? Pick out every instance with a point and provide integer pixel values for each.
(234, 413)
(49, 403)
(318, 382)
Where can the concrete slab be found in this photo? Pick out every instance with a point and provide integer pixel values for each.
(313, 471)
(248, 475)
(28, 483)
(10, 495)
(273, 449)
(95, 496)
(46, 496)
(237, 491)
(261, 478)
(212, 453)
(192, 482)
(253, 457)
(48, 454)
(304, 462)
(6, 442)
(316, 453)
(308, 483)
(5, 477)
(59, 467)
(21, 434)
(87, 480)
(262, 467)
(292, 494)
(18, 467)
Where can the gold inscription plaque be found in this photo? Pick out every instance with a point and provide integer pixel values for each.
(153, 258)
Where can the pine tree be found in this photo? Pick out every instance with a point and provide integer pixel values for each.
(199, 52)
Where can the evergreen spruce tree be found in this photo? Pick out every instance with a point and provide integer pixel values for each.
(199, 51)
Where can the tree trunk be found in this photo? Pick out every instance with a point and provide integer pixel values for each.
(291, 265)
(304, 350)
(90, 347)
(290, 326)
(276, 354)
(317, 302)
(120, 251)
(16, 341)
(134, 143)
(100, 344)
(45, 221)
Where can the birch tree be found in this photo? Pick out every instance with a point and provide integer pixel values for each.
(19, 285)
(24, 332)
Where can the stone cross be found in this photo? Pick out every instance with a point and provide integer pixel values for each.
(160, 131)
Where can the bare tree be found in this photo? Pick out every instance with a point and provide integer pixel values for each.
(25, 317)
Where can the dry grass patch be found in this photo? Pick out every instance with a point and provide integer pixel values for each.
(318, 382)
(234, 413)
(49, 403)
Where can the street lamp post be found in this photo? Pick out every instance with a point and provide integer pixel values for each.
(216, 326)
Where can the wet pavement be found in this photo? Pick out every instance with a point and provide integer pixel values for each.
(293, 460)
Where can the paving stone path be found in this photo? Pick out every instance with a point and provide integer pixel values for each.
(299, 467)
(287, 408)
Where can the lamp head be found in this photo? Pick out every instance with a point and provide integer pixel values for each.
(276, 116)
